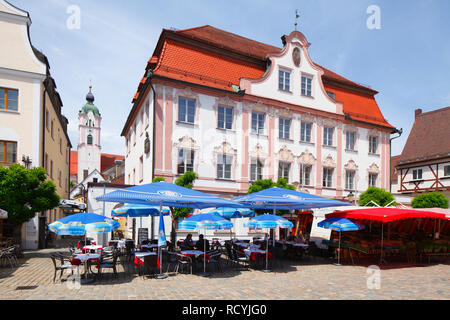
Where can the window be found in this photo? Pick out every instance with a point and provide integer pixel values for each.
(305, 134)
(284, 80)
(256, 168)
(225, 118)
(373, 144)
(9, 99)
(373, 179)
(186, 110)
(417, 174)
(305, 175)
(134, 134)
(446, 171)
(327, 177)
(46, 163)
(307, 86)
(59, 178)
(350, 140)
(331, 94)
(258, 122)
(283, 170)
(51, 129)
(224, 166)
(146, 112)
(141, 168)
(60, 145)
(285, 128)
(46, 120)
(185, 160)
(89, 139)
(349, 180)
(8, 152)
(328, 136)
(51, 169)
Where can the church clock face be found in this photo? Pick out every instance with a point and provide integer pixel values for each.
(296, 56)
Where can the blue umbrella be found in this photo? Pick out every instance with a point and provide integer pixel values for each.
(286, 199)
(139, 210)
(340, 224)
(205, 221)
(167, 194)
(230, 213)
(80, 223)
(268, 221)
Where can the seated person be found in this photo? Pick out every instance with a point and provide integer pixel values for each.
(188, 244)
(291, 237)
(201, 243)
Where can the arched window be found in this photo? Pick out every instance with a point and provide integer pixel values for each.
(89, 139)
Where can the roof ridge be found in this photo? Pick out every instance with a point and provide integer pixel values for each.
(434, 111)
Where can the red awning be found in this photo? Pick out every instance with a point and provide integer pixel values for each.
(386, 214)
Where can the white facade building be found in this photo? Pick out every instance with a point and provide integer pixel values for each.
(294, 119)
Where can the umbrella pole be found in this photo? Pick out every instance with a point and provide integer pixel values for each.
(382, 236)
(161, 275)
(339, 250)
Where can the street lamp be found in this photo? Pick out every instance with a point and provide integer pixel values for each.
(26, 161)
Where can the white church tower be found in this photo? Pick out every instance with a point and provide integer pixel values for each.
(89, 149)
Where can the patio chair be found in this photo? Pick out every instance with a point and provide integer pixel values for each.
(241, 259)
(10, 254)
(169, 259)
(64, 265)
(183, 261)
(109, 264)
(214, 259)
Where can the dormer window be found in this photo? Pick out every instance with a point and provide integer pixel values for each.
(307, 85)
(331, 94)
(284, 80)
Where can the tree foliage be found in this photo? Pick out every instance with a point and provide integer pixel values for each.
(158, 179)
(260, 185)
(377, 195)
(430, 200)
(23, 192)
(186, 180)
(263, 184)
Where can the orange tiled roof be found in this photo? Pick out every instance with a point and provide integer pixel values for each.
(106, 161)
(184, 62)
(359, 106)
(188, 62)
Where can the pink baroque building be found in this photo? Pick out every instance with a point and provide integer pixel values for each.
(235, 110)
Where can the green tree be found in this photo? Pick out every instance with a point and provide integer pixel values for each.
(186, 180)
(430, 200)
(377, 195)
(263, 184)
(23, 192)
(158, 179)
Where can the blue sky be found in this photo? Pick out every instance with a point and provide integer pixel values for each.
(407, 60)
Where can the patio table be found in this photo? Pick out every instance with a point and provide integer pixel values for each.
(149, 246)
(84, 258)
(252, 253)
(139, 257)
(194, 253)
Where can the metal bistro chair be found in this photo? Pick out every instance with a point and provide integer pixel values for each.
(241, 259)
(108, 263)
(65, 264)
(183, 261)
(214, 259)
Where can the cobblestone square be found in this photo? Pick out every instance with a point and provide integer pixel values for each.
(310, 279)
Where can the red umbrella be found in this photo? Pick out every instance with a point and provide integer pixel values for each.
(384, 215)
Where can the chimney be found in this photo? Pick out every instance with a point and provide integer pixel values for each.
(418, 112)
